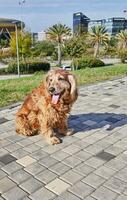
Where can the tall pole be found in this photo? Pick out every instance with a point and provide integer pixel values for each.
(21, 4)
(17, 49)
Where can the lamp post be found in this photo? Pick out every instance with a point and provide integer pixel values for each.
(17, 47)
(21, 4)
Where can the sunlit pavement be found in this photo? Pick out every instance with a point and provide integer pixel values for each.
(91, 164)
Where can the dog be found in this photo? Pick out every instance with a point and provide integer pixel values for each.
(47, 108)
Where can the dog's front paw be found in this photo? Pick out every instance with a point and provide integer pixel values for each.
(70, 132)
(55, 140)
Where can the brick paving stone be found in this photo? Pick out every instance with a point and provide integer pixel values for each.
(32, 148)
(39, 154)
(57, 186)
(82, 155)
(15, 138)
(115, 164)
(19, 176)
(114, 150)
(59, 168)
(2, 174)
(94, 180)
(31, 185)
(19, 153)
(34, 168)
(71, 149)
(103, 193)
(15, 193)
(4, 143)
(60, 155)
(122, 197)
(3, 152)
(42, 193)
(42, 143)
(116, 185)
(48, 161)
(81, 190)
(67, 196)
(89, 198)
(81, 144)
(94, 149)
(25, 142)
(123, 157)
(7, 158)
(51, 149)
(71, 177)
(11, 167)
(105, 172)
(83, 169)
(12, 147)
(105, 156)
(71, 161)
(36, 138)
(46, 176)
(26, 160)
(94, 162)
(122, 174)
(6, 184)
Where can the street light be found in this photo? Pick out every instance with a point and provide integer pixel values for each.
(21, 4)
(17, 47)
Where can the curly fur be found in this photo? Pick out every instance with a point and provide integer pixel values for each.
(40, 114)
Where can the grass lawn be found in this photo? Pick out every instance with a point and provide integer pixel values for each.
(12, 91)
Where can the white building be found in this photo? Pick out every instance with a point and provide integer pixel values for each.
(41, 36)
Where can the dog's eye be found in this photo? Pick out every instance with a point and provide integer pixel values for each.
(60, 79)
(50, 79)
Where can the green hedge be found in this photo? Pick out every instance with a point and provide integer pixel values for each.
(28, 67)
(90, 63)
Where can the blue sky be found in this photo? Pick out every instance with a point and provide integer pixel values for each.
(40, 14)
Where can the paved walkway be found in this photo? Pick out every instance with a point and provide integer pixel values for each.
(91, 164)
(6, 77)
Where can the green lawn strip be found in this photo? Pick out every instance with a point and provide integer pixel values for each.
(93, 75)
(15, 90)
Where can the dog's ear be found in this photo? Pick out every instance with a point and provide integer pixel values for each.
(73, 83)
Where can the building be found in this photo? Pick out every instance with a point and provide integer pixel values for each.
(80, 23)
(7, 26)
(41, 36)
(113, 25)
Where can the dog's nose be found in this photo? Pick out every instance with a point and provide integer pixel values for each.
(51, 89)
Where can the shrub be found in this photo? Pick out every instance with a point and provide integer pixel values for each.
(123, 55)
(5, 54)
(28, 67)
(3, 71)
(90, 63)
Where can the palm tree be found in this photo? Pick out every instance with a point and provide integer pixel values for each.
(122, 39)
(58, 33)
(98, 36)
(75, 48)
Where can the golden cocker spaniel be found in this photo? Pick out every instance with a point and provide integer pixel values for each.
(46, 109)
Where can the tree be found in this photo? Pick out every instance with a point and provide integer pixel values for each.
(45, 48)
(98, 36)
(75, 48)
(58, 33)
(122, 39)
(3, 44)
(24, 43)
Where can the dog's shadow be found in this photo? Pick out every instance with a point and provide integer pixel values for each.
(89, 121)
